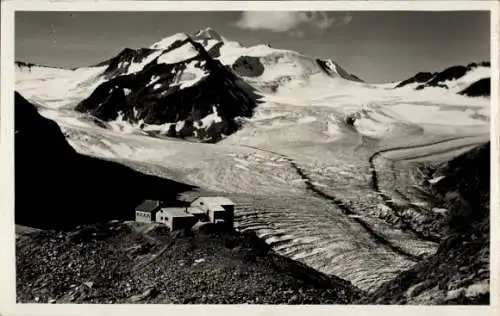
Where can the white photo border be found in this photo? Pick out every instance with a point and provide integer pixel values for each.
(8, 304)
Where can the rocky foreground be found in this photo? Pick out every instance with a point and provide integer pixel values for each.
(127, 262)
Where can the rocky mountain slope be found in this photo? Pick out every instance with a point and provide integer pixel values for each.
(459, 272)
(480, 88)
(57, 187)
(177, 91)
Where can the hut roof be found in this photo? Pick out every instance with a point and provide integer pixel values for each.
(176, 212)
(195, 210)
(213, 201)
(148, 206)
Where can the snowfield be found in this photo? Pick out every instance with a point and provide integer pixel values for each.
(316, 130)
(191, 75)
(55, 87)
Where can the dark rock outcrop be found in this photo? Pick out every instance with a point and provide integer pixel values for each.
(480, 88)
(121, 63)
(248, 66)
(57, 187)
(451, 73)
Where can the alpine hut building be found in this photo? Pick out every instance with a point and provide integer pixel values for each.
(203, 209)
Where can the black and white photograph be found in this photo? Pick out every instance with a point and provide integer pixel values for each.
(266, 156)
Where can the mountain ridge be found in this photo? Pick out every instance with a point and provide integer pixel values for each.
(202, 86)
(212, 42)
(423, 80)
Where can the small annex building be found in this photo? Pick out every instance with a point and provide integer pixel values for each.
(176, 218)
(146, 211)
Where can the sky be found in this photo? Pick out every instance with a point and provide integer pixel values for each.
(377, 46)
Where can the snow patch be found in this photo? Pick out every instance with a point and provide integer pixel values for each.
(153, 79)
(186, 51)
(179, 126)
(161, 128)
(436, 180)
(211, 118)
(136, 67)
(191, 75)
(123, 126)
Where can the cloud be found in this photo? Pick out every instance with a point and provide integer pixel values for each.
(283, 21)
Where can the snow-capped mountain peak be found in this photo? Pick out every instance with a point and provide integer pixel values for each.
(208, 33)
(263, 66)
(202, 36)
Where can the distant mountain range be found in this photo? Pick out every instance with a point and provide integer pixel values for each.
(203, 86)
(478, 84)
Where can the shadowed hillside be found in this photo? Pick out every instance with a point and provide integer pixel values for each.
(57, 187)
